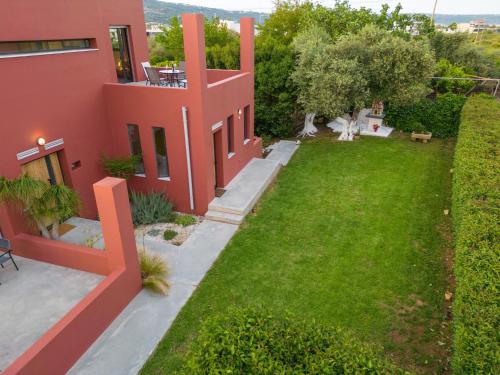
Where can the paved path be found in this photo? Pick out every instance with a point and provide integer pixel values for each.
(128, 342)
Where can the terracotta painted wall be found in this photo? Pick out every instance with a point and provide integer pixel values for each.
(61, 96)
(64, 343)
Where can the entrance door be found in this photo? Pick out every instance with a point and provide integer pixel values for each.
(121, 53)
(46, 169)
(218, 154)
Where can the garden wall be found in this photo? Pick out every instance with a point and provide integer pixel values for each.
(476, 202)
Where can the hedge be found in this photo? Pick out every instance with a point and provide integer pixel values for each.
(255, 341)
(440, 116)
(476, 214)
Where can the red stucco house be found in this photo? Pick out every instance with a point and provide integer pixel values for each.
(72, 89)
(69, 73)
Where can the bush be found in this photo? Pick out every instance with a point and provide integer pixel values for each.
(475, 209)
(154, 272)
(441, 116)
(251, 341)
(185, 220)
(124, 167)
(150, 208)
(169, 234)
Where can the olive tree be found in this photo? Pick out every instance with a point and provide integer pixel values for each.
(358, 68)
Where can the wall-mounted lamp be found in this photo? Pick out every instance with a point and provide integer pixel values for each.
(239, 113)
(40, 141)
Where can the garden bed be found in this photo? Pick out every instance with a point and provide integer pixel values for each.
(180, 233)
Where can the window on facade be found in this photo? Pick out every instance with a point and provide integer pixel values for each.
(37, 46)
(160, 152)
(134, 140)
(121, 53)
(246, 122)
(230, 134)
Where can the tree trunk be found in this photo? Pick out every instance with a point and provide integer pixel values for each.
(42, 228)
(55, 230)
(309, 128)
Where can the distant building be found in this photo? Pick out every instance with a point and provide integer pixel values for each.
(153, 28)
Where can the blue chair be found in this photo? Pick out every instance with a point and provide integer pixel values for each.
(6, 253)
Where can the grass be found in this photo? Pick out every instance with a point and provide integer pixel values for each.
(350, 234)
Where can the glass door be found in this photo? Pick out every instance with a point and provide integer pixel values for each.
(121, 54)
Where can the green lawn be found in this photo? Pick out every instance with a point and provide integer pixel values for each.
(351, 234)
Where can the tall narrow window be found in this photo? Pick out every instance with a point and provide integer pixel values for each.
(246, 122)
(121, 53)
(134, 140)
(161, 152)
(230, 134)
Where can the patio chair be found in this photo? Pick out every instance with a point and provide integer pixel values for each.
(5, 253)
(154, 77)
(144, 66)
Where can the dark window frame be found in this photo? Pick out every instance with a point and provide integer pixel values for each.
(230, 134)
(246, 123)
(140, 168)
(160, 172)
(45, 46)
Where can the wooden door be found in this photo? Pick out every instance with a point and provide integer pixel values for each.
(46, 169)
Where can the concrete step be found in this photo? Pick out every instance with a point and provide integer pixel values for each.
(282, 151)
(224, 217)
(247, 187)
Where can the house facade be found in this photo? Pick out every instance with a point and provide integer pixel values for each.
(72, 89)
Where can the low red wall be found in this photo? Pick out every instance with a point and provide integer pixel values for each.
(61, 253)
(215, 75)
(60, 347)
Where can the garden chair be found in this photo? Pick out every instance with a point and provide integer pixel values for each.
(154, 77)
(144, 66)
(5, 253)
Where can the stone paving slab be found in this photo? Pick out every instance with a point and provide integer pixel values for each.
(129, 341)
(282, 151)
(246, 188)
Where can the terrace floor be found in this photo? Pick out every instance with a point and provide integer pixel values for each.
(33, 300)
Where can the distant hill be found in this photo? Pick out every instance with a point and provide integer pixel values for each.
(160, 11)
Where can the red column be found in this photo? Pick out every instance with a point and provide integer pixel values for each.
(116, 221)
(247, 44)
(200, 134)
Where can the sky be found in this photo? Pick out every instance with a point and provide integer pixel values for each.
(410, 6)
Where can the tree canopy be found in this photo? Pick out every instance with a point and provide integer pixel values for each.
(334, 77)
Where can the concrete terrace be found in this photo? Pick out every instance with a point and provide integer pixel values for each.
(35, 298)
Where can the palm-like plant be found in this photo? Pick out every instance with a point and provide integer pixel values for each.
(154, 272)
(43, 203)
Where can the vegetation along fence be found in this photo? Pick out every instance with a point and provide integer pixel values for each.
(476, 214)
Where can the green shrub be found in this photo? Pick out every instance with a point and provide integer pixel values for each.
(124, 167)
(154, 272)
(150, 208)
(169, 234)
(185, 220)
(476, 216)
(441, 116)
(251, 341)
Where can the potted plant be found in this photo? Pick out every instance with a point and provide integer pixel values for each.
(419, 132)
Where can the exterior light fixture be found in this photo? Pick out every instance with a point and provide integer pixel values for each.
(40, 141)
(239, 113)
